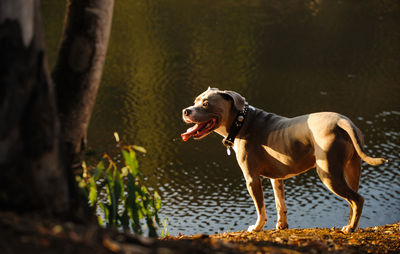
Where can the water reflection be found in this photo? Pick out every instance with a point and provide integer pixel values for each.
(287, 57)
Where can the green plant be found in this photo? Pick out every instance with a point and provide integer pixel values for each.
(119, 193)
(164, 231)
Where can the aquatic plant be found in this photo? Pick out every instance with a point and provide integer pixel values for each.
(164, 231)
(119, 195)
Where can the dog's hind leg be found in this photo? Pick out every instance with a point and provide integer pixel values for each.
(340, 188)
(279, 193)
(352, 174)
(331, 169)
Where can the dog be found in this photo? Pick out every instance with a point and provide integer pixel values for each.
(278, 148)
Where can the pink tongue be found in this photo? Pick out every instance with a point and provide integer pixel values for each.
(190, 132)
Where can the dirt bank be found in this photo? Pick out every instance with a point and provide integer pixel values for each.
(32, 234)
(381, 239)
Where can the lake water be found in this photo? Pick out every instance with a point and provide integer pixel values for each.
(288, 57)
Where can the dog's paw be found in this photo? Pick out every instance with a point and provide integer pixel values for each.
(254, 228)
(282, 225)
(348, 229)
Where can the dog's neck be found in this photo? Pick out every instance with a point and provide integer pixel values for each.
(237, 120)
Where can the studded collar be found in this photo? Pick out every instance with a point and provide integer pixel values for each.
(235, 128)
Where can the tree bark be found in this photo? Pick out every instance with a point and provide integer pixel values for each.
(78, 70)
(32, 176)
(77, 76)
(35, 177)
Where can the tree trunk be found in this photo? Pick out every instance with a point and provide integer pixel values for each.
(35, 177)
(77, 76)
(78, 70)
(32, 177)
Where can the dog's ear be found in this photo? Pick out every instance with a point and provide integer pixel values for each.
(238, 100)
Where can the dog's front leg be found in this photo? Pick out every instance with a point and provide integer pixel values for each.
(255, 189)
(279, 194)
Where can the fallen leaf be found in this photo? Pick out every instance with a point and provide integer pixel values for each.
(57, 229)
(111, 245)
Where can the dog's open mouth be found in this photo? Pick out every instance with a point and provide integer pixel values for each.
(200, 130)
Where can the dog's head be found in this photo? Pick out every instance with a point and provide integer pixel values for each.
(212, 110)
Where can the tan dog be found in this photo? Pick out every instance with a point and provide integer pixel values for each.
(278, 148)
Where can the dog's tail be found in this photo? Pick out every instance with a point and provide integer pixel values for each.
(349, 128)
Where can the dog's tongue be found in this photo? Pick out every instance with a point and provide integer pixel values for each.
(190, 132)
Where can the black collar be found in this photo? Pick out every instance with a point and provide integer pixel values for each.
(235, 127)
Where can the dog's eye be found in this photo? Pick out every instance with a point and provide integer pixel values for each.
(205, 104)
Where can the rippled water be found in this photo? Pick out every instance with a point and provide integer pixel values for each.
(287, 57)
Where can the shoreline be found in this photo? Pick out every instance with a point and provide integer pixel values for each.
(378, 239)
(35, 234)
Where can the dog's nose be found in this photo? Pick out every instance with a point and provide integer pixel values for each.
(187, 112)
